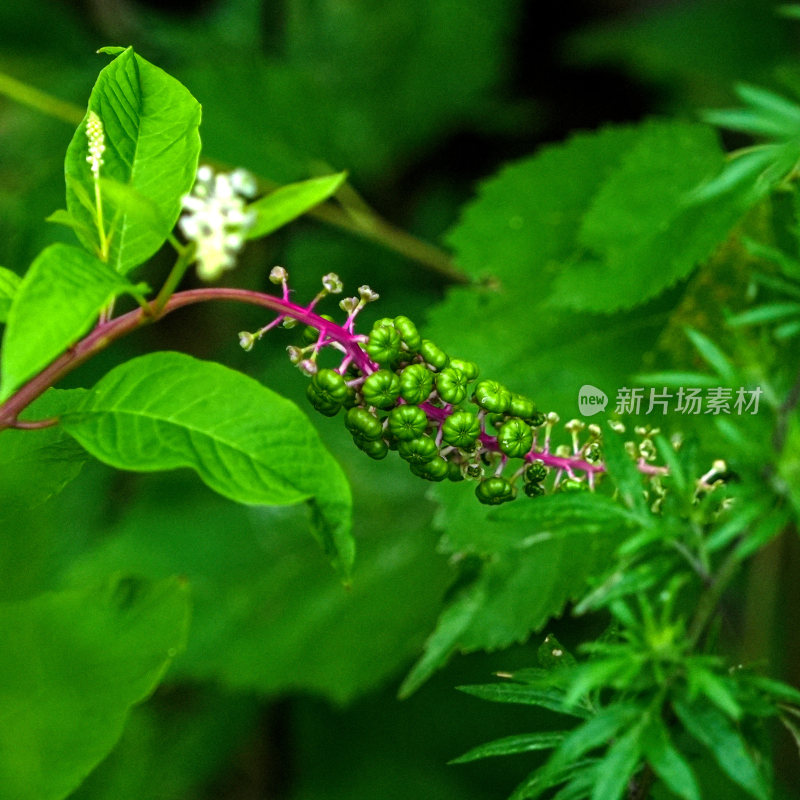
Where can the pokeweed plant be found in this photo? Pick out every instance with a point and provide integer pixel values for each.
(667, 535)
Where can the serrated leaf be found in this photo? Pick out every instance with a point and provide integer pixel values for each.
(72, 665)
(9, 283)
(289, 202)
(640, 234)
(713, 729)
(56, 303)
(168, 410)
(152, 145)
(509, 745)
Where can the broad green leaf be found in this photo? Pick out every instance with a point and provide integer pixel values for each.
(524, 220)
(640, 235)
(168, 410)
(667, 762)
(39, 463)
(56, 303)
(260, 587)
(712, 728)
(71, 666)
(152, 144)
(557, 515)
(63, 217)
(289, 202)
(508, 745)
(9, 283)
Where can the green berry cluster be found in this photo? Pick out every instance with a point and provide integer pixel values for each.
(432, 410)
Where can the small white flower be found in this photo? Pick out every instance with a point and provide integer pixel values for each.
(348, 304)
(97, 143)
(367, 294)
(332, 283)
(216, 219)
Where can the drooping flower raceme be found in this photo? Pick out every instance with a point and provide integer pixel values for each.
(216, 219)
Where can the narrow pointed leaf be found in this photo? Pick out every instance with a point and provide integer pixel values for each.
(289, 202)
(168, 410)
(712, 355)
(668, 763)
(508, 745)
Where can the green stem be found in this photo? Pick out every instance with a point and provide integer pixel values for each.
(40, 101)
(185, 257)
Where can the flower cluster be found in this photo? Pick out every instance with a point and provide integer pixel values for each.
(97, 143)
(400, 392)
(217, 220)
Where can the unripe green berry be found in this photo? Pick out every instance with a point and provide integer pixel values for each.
(434, 470)
(330, 385)
(416, 383)
(492, 396)
(432, 354)
(383, 345)
(469, 368)
(407, 422)
(451, 384)
(533, 489)
(419, 450)
(515, 438)
(522, 407)
(323, 404)
(461, 429)
(536, 472)
(494, 491)
(571, 485)
(363, 423)
(408, 333)
(381, 389)
(374, 448)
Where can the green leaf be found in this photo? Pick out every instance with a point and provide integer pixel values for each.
(618, 766)
(640, 234)
(667, 762)
(269, 616)
(56, 303)
(289, 202)
(37, 464)
(557, 515)
(152, 146)
(9, 283)
(765, 313)
(71, 666)
(713, 729)
(63, 217)
(168, 410)
(713, 356)
(508, 745)
(552, 699)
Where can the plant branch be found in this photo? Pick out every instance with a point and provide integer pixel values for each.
(359, 219)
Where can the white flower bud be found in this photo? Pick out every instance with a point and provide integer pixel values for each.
(367, 294)
(348, 304)
(278, 275)
(332, 283)
(246, 340)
